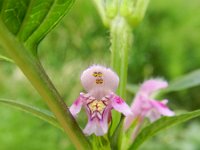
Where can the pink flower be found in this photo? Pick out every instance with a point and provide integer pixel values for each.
(145, 106)
(100, 84)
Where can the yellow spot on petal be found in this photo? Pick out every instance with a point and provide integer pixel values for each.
(95, 74)
(97, 105)
(100, 74)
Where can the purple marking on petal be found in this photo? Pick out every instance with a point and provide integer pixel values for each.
(99, 115)
(77, 102)
(97, 107)
(118, 100)
(119, 105)
(76, 106)
(162, 105)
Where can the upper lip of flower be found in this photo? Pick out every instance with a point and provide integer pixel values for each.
(99, 76)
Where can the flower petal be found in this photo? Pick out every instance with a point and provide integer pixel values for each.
(153, 115)
(128, 121)
(97, 127)
(97, 76)
(152, 85)
(90, 128)
(140, 105)
(162, 108)
(76, 106)
(119, 105)
(105, 120)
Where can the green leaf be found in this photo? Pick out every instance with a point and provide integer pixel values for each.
(161, 124)
(1, 3)
(12, 13)
(187, 81)
(23, 23)
(58, 9)
(31, 20)
(42, 114)
(33, 70)
(5, 58)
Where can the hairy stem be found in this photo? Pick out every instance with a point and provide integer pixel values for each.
(121, 37)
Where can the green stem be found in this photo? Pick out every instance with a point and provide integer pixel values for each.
(121, 38)
(115, 54)
(34, 71)
(126, 46)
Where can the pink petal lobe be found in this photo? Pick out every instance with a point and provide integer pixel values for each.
(162, 108)
(97, 76)
(99, 114)
(140, 105)
(97, 127)
(76, 106)
(153, 115)
(90, 128)
(119, 105)
(128, 121)
(106, 119)
(152, 85)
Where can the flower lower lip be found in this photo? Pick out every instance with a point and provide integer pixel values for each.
(97, 108)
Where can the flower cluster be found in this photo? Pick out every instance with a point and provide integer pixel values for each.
(100, 84)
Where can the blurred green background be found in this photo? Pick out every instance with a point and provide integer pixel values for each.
(166, 44)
